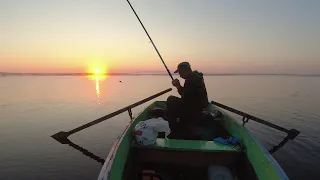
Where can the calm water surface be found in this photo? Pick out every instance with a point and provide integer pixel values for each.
(34, 108)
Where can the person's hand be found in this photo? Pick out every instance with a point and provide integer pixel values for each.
(176, 83)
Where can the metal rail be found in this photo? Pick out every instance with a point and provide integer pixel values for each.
(292, 133)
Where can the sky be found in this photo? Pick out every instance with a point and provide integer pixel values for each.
(214, 36)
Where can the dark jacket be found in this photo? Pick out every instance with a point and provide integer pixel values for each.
(194, 93)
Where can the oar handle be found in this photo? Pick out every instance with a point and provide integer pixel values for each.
(248, 116)
(151, 40)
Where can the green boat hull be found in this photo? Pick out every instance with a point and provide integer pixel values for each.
(264, 166)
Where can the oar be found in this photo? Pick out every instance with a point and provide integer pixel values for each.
(62, 136)
(280, 145)
(151, 40)
(84, 151)
(292, 133)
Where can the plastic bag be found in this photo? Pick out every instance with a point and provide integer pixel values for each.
(146, 132)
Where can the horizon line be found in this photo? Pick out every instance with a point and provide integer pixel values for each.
(142, 73)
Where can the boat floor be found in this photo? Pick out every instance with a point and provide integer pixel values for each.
(188, 157)
(168, 171)
(174, 164)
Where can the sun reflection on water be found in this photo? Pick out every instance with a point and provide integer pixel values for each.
(98, 79)
(98, 88)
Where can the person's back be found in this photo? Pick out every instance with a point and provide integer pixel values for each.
(194, 93)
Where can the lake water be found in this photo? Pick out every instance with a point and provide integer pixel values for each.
(32, 108)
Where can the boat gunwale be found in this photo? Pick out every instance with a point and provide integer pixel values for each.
(107, 166)
(269, 157)
(112, 154)
(281, 174)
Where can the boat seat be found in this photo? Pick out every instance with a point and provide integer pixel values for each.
(191, 145)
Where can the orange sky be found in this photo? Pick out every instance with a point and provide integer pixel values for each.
(215, 37)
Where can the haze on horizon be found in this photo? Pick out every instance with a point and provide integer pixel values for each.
(214, 36)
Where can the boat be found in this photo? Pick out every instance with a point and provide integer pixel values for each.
(185, 158)
(190, 159)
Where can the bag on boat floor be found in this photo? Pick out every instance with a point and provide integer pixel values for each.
(146, 132)
(216, 172)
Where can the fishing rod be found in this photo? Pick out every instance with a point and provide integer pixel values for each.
(151, 40)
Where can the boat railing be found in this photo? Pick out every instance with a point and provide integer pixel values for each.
(291, 133)
(246, 117)
(62, 136)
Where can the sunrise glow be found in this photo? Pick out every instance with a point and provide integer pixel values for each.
(83, 38)
(97, 69)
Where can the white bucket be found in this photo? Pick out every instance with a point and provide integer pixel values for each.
(216, 172)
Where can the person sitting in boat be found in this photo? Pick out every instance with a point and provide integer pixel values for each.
(193, 98)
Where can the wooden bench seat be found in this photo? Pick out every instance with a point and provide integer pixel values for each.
(191, 145)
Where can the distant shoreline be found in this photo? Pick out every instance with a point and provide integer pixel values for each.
(146, 74)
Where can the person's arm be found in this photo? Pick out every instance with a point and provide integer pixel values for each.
(180, 89)
(188, 92)
(176, 83)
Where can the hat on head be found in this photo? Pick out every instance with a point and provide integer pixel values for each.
(182, 65)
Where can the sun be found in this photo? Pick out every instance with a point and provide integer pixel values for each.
(97, 70)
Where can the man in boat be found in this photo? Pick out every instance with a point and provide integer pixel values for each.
(182, 112)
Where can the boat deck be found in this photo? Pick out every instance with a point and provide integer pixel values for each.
(186, 159)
